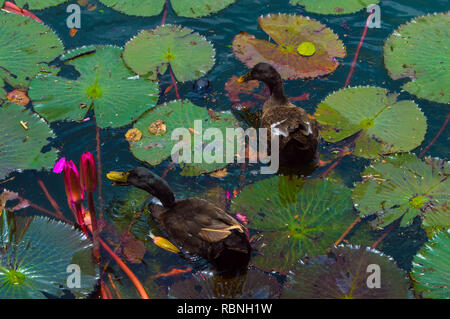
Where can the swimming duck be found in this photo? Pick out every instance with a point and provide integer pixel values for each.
(298, 131)
(193, 224)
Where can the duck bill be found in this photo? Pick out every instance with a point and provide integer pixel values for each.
(119, 178)
(244, 78)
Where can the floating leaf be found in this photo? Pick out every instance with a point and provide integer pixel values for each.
(403, 185)
(133, 135)
(38, 4)
(296, 217)
(189, 54)
(387, 125)
(35, 255)
(334, 6)
(419, 50)
(153, 149)
(132, 249)
(344, 274)
(431, 270)
(20, 148)
(2, 91)
(18, 97)
(26, 46)
(184, 8)
(288, 32)
(116, 95)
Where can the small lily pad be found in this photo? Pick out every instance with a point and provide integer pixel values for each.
(26, 46)
(288, 32)
(23, 134)
(346, 274)
(387, 125)
(188, 53)
(334, 6)
(431, 270)
(296, 217)
(117, 96)
(403, 186)
(419, 50)
(153, 149)
(38, 4)
(35, 256)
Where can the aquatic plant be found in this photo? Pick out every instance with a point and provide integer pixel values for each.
(151, 52)
(346, 274)
(431, 272)
(418, 50)
(184, 8)
(334, 6)
(104, 85)
(23, 134)
(38, 4)
(385, 125)
(289, 32)
(403, 186)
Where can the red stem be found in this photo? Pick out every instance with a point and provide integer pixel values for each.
(99, 169)
(444, 125)
(174, 81)
(94, 225)
(387, 232)
(332, 166)
(50, 198)
(349, 228)
(347, 81)
(43, 210)
(166, 5)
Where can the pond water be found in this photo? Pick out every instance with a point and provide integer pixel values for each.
(106, 26)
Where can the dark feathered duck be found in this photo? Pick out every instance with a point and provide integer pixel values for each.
(298, 131)
(193, 224)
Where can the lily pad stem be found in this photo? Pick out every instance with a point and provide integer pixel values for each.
(99, 168)
(166, 6)
(349, 228)
(94, 225)
(174, 81)
(444, 125)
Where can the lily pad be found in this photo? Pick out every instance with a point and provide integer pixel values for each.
(117, 96)
(288, 32)
(184, 8)
(345, 274)
(35, 256)
(188, 53)
(403, 186)
(431, 270)
(2, 91)
(26, 46)
(387, 126)
(296, 217)
(38, 4)
(334, 6)
(23, 134)
(419, 50)
(153, 149)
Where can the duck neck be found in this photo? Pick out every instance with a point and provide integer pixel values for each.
(277, 96)
(161, 190)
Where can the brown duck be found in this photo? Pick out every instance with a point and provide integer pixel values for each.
(298, 131)
(193, 224)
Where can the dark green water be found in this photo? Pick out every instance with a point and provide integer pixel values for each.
(111, 27)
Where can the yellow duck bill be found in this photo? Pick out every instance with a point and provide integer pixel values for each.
(244, 78)
(119, 178)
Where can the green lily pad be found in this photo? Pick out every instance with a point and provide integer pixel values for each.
(38, 4)
(184, 8)
(2, 91)
(34, 258)
(403, 185)
(345, 274)
(387, 125)
(117, 96)
(189, 54)
(334, 6)
(288, 32)
(431, 270)
(20, 148)
(296, 217)
(153, 149)
(26, 46)
(419, 50)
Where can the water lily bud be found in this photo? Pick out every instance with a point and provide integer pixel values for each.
(88, 172)
(74, 192)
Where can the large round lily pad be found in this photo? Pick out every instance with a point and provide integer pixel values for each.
(23, 134)
(403, 185)
(117, 96)
(288, 32)
(184, 8)
(26, 46)
(153, 149)
(345, 274)
(334, 6)
(38, 4)
(189, 54)
(296, 217)
(35, 256)
(419, 50)
(387, 125)
(431, 270)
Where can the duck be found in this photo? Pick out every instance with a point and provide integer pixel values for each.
(196, 226)
(298, 131)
